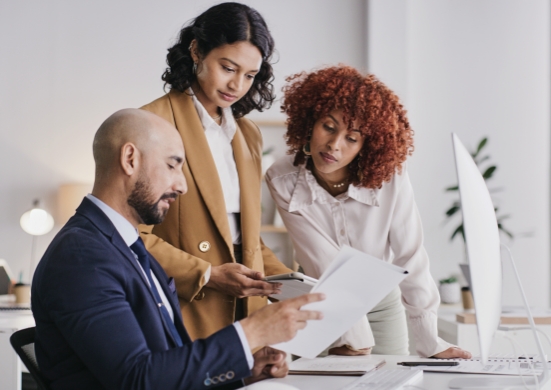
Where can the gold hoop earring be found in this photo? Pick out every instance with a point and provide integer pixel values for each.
(306, 149)
(306, 146)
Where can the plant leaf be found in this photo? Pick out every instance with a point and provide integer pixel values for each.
(453, 188)
(452, 210)
(489, 172)
(451, 279)
(507, 232)
(268, 151)
(481, 145)
(458, 230)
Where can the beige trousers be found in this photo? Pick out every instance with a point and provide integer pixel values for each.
(389, 326)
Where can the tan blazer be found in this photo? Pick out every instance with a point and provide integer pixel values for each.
(196, 232)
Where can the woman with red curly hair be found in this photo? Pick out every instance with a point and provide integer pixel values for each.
(345, 183)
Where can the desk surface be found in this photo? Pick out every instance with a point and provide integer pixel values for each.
(19, 319)
(16, 319)
(431, 380)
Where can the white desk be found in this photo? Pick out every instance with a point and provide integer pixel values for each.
(431, 380)
(10, 365)
(466, 336)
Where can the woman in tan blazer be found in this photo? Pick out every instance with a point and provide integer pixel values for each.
(210, 243)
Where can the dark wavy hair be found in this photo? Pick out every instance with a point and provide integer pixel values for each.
(225, 23)
(382, 119)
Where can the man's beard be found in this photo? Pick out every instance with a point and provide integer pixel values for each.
(147, 209)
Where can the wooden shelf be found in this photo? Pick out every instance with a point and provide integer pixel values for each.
(273, 229)
(268, 123)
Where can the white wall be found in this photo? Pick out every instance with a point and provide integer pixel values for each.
(473, 67)
(477, 68)
(65, 66)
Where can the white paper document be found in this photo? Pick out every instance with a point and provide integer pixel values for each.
(353, 284)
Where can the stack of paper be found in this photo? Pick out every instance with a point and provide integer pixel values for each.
(336, 365)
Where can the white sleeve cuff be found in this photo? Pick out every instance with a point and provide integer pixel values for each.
(207, 275)
(245, 344)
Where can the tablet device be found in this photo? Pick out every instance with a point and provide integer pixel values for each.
(293, 285)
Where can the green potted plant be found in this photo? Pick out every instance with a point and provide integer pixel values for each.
(488, 172)
(450, 291)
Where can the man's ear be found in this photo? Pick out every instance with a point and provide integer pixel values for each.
(129, 158)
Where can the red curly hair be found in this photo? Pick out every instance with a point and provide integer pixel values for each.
(382, 119)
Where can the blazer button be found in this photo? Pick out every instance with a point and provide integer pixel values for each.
(204, 246)
(200, 295)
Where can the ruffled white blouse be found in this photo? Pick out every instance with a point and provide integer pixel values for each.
(382, 222)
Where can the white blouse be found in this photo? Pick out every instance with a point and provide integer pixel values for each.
(382, 222)
(219, 138)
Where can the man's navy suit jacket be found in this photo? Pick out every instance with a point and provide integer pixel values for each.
(98, 326)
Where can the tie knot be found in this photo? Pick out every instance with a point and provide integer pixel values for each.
(138, 248)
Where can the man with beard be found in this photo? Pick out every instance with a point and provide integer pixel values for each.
(107, 315)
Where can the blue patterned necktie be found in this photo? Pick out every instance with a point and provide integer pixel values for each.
(143, 258)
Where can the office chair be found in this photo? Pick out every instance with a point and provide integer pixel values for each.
(22, 342)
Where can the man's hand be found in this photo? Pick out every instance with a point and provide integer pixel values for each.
(239, 281)
(453, 353)
(280, 321)
(268, 363)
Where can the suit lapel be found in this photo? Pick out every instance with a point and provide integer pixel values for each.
(249, 186)
(104, 225)
(200, 161)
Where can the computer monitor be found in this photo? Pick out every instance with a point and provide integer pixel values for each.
(483, 253)
(482, 245)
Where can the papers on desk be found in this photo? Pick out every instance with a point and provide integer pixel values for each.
(353, 284)
(336, 365)
(494, 367)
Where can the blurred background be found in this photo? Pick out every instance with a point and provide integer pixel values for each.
(477, 68)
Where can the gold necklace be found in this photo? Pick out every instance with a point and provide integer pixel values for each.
(215, 118)
(339, 185)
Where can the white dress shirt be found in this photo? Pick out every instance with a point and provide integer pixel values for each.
(382, 222)
(130, 234)
(219, 138)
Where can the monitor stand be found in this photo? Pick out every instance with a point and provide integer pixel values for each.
(509, 382)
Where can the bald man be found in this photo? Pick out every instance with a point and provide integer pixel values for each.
(107, 316)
